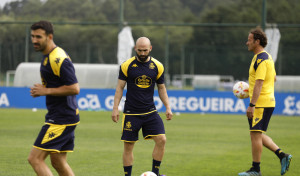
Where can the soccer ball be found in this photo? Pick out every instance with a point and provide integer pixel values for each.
(241, 90)
(148, 173)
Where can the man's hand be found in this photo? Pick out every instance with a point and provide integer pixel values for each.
(250, 111)
(115, 115)
(38, 90)
(169, 114)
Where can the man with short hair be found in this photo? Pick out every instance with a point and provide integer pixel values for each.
(262, 76)
(60, 86)
(141, 73)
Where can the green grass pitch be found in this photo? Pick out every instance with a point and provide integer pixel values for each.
(197, 144)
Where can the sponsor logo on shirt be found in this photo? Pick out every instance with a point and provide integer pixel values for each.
(57, 60)
(143, 81)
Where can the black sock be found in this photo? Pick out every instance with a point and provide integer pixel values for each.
(280, 154)
(127, 170)
(256, 166)
(156, 166)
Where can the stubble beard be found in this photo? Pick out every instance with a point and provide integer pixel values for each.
(142, 58)
(40, 47)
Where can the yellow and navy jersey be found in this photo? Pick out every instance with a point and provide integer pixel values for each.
(141, 79)
(57, 70)
(262, 67)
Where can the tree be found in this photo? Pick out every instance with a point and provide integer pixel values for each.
(216, 50)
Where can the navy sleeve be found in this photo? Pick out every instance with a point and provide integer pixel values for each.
(161, 80)
(67, 73)
(121, 75)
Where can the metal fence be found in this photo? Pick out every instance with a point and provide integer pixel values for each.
(212, 50)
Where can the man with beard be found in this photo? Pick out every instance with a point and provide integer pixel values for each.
(141, 72)
(60, 86)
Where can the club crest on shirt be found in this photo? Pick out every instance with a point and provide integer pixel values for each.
(134, 65)
(151, 66)
(143, 81)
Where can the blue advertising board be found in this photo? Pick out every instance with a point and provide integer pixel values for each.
(194, 101)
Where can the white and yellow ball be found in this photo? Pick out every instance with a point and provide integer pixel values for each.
(241, 90)
(148, 173)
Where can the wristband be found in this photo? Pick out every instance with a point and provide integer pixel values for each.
(252, 105)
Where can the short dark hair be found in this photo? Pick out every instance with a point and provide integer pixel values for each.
(45, 25)
(258, 34)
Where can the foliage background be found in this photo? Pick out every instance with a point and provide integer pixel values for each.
(215, 50)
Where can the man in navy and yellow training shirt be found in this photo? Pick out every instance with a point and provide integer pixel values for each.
(141, 73)
(262, 76)
(60, 86)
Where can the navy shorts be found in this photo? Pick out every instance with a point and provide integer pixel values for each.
(56, 138)
(151, 124)
(260, 120)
